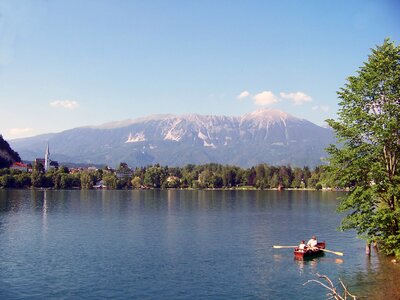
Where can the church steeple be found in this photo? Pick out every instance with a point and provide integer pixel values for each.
(47, 159)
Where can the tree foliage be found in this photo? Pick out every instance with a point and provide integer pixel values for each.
(366, 159)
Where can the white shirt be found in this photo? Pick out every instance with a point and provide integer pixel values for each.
(312, 243)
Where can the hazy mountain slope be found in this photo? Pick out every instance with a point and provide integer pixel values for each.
(266, 135)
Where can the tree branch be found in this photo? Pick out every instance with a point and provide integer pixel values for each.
(333, 292)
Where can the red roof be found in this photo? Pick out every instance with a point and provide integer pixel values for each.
(19, 164)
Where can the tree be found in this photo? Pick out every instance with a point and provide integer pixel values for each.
(136, 182)
(153, 177)
(171, 182)
(366, 158)
(260, 172)
(298, 178)
(251, 176)
(307, 173)
(23, 180)
(48, 180)
(111, 181)
(189, 176)
(87, 180)
(313, 180)
(7, 181)
(37, 178)
(229, 176)
(57, 180)
(285, 176)
(274, 182)
(123, 166)
(66, 181)
(63, 169)
(241, 178)
(216, 181)
(205, 179)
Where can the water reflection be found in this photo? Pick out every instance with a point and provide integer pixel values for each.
(277, 257)
(304, 263)
(44, 214)
(339, 261)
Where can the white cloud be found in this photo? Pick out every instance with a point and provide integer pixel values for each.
(297, 98)
(68, 104)
(323, 108)
(243, 94)
(265, 98)
(19, 132)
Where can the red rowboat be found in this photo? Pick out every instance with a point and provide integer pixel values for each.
(309, 252)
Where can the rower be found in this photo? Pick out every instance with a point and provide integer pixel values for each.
(302, 246)
(312, 243)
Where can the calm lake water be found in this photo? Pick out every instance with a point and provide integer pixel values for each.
(177, 245)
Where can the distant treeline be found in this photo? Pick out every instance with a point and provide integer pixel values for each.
(213, 176)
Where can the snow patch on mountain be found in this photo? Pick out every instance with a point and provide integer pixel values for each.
(202, 136)
(206, 144)
(175, 132)
(173, 136)
(206, 140)
(228, 139)
(138, 137)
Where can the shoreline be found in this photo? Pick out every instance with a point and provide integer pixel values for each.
(182, 189)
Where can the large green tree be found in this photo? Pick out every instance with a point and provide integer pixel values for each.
(366, 159)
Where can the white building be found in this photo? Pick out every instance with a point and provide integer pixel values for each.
(47, 159)
(46, 162)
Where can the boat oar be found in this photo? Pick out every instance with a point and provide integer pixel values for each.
(334, 252)
(279, 247)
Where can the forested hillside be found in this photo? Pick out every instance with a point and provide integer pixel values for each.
(7, 155)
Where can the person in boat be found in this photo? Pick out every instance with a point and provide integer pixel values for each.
(302, 246)
(312, 243)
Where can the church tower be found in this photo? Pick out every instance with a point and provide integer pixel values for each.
(47, 159)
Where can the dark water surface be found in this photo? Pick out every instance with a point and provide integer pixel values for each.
(176, 245)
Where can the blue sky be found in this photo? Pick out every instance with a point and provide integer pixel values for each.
(65, 64)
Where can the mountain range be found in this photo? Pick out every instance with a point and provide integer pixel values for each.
(263, 136)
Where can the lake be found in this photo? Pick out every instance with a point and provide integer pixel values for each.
(174, 244)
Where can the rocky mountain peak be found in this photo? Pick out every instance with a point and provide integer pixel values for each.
(269, 114)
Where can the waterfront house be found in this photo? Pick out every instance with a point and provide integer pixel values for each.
(125, 173)
(20, 166)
